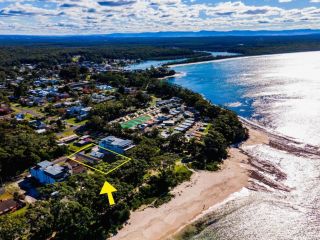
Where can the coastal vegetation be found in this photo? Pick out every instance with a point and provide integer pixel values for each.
(48, 54)
(21, 148)
(52, 51)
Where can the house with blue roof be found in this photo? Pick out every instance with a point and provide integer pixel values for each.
(37, 124)
(47, 173)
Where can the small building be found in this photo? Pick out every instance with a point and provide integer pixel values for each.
(74, 110)
(84, 113)
(68, 139)
(5, 109)
(75, 167)
(41, 131)
(97, 154)
(19, 116)
(9, 205)
(37, 124)
(169, 123)
(47, 173)
(104, 87)
(115, 144)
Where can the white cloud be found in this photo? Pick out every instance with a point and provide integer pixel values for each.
(105, 16)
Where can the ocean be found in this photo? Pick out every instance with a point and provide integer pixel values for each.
(282, 94)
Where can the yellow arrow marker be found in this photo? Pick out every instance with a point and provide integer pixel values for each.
(108, 189)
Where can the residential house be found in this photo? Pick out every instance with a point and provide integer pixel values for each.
(75, 167)
(9, 205)
(74, 110)
(84, 113)
(20, 117)
(68, 139)
(104, 87)
(84, 140)
(37, 124)
(5, 109)
(115, 144)
(79, 112)
(47, 173)
(99, 98)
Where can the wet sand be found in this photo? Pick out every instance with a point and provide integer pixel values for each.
(193, 198)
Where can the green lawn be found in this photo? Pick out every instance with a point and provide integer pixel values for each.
(5, 196)
(181, 169)
(74, 148)
(73, 121)
(67, 133)
(21, 211)
(153, 101)
(207, 128)
(17, 108)
(28, 116)
(136, 121)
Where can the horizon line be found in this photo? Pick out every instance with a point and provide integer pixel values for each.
(159, 32)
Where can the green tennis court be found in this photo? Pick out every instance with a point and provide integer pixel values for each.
(136, 121)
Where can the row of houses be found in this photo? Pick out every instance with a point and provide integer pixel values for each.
(47, 172)
(185, 125)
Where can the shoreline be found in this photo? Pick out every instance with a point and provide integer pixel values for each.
(209, 61)
(234, 58)
(194, 198)
(176, 75)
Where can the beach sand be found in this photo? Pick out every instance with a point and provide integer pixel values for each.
(193, 198)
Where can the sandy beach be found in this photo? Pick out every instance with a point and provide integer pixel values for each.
(204, 190)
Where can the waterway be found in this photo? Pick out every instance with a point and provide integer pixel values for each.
(281, 94)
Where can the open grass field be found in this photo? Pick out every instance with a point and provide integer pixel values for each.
(136, 121)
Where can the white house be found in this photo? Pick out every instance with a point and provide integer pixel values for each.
(115, 144)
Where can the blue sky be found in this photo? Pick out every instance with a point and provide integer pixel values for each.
(58, 17)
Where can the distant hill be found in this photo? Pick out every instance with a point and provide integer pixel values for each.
(106, 38)
(215, 33)
(244, 42)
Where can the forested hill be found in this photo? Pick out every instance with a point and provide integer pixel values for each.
(63, 53)
(30, 49)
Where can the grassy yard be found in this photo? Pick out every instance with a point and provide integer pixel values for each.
(19, 212)
(28, 116)
(207, 128)
(66, 133)
(153, 101)
(73, 121)
(5, 196)
(31, 111)
(74, 148)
